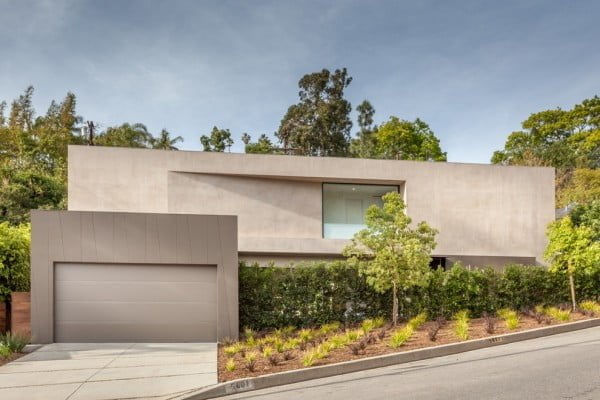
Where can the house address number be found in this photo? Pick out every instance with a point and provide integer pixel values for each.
(239, 386)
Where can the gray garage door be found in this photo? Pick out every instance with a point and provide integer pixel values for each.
(134, 303)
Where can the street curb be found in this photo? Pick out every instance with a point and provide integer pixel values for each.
(295, 376)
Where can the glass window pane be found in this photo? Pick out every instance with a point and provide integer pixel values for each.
(344, 207)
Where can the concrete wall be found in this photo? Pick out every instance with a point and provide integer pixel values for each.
(116, 237)
(480, 210)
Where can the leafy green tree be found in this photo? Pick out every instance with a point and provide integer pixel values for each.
(126, 135)
(571, 249)
(165, 142)
(564, 139)
(319, 125)
(262, 146)
(14, 258)
(588, 215)
(405, 140)
(219, 140)
(583, 187)
(391, 253)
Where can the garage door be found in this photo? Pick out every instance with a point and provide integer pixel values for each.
(134, 303)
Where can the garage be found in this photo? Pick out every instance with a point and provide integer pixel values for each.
(117, 277)
(134, 303)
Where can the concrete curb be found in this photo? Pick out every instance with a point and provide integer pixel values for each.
(288, 377)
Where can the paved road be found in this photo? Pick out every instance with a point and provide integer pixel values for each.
(565, 366)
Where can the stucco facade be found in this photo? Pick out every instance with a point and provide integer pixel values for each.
(485, 214)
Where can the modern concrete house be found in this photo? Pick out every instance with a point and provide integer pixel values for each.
(149, 248)
(292, 208)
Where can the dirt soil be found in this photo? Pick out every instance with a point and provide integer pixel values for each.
(12, 357)
(420, 339)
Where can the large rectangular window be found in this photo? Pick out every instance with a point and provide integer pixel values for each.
(344, 207)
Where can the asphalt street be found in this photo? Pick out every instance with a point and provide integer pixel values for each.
(565, 366)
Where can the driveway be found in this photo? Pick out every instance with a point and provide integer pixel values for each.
(103, 371)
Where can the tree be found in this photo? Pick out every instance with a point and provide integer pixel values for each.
(165, 142)
(405, 140)
(564, 139)
(262, 146)
(588, 215)
(364, 145)
(319, 125)
(219, 140)
(391, 253)
(583, 187)
(126, 135)
(571, 249)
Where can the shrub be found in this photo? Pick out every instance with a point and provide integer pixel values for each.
(558, 314)
(267, 351)
(4, 351)
(378, 322)
(401, 336)
(461, 325)
(367, 326)
(590, 307)
(232, 350)
(14, 342)
(251, 360)
(320, 293)
(489, 323)
(417, 321)
(510, 317)
(250, 336)
(14, 259)
(230, 365)
(309, 358)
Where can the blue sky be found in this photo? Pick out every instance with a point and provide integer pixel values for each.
(473, 70)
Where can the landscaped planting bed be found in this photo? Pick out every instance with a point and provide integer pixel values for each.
(289, 348)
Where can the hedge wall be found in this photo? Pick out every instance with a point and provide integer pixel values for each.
(314, 294)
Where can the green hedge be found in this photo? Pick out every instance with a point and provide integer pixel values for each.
(310, 295)
(14, 259)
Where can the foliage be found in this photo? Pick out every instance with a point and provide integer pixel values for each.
(14, 258)
(263, 145)
(564, 139)
(461, 325)
(319, 124)
(590, 306)
(558, 314)
(230, 365)
(219, 140)
(4, 351)
(165, 142)
(417, 321)
(572, 249)
(583, 187)
(126, 135)
(588, 215)
(364, 145)
(399, 139)
(510, 317)
(389, 252)
(14, 342)
(401, 336)
(315, 294)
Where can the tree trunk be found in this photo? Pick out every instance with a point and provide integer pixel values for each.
(395, 306)
(572, 285)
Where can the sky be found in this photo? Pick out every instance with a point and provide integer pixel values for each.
(473, 70)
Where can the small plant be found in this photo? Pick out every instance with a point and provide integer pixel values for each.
(417, 321)
(309, 358)
(230, 366)
(434, 328)
(558, 314)
(510, 317)
(233, 349)
(367, 326)
(401, 336)
(305, 335)
(14, 341)
(267, 351)
(279, 345)
(328, 328)
(378, 322)
(353, 335)
(590, 307)
(250, 336)
(227, 341)
(381, 334)
(461, 325)
(358, 347)
(338, 341)
(489, 323)
(4, 351)
(273, 359)
(251, 360)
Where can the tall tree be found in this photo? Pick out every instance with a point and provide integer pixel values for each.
(390, 252)
(319, 124)
(262, 146)
(219, 140)
(364, 145)
(165, 142)
(564, 139)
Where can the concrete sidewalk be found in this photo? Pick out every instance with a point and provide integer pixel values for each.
(107, 371)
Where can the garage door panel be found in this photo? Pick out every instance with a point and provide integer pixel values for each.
(131, 332)
(104, 303)
(134, 273)
(134, 312)
(135, 291)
